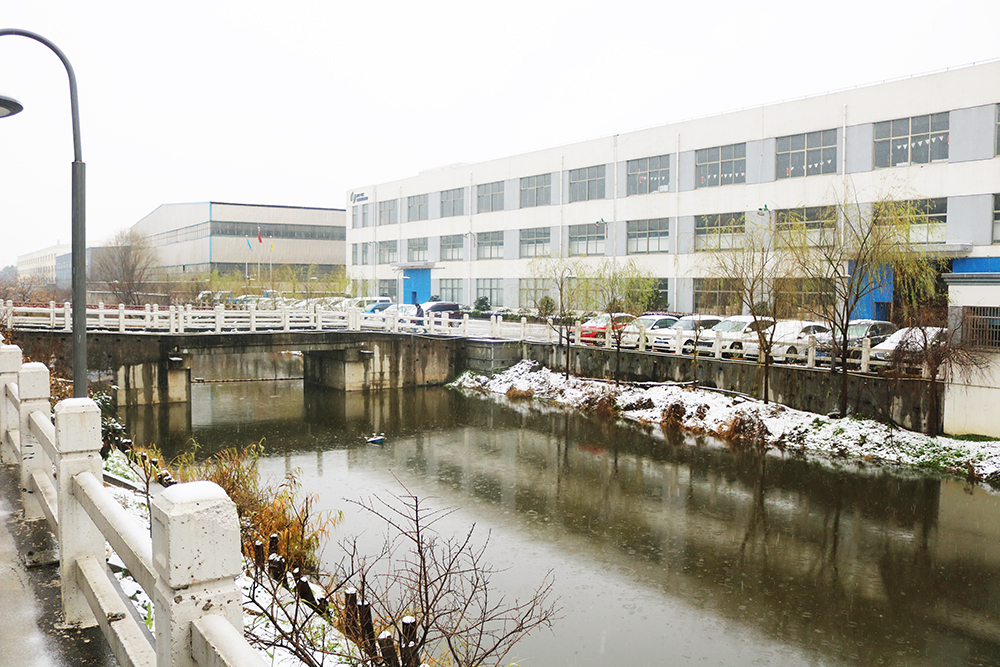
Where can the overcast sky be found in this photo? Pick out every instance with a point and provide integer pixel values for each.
(293, 102)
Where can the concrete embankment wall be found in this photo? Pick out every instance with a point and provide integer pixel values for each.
(904, 401)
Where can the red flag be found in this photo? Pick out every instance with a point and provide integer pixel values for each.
(259, 239)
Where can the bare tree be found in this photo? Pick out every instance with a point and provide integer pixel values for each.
(856, 258)
(553, 296)
(621, 289)
(126, 266)
(440, 587)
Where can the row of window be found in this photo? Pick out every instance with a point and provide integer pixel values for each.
(903, 141)
(250, 231)
(653, 235)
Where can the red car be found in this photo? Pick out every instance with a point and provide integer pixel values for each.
(592, 331)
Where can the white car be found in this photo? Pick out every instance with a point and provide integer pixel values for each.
(692, 328)
(652, 324)
(913, 339)
(790, 340)
(737, 331)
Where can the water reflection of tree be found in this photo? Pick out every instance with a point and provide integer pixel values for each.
(753, 549)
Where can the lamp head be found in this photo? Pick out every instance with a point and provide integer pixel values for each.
(9, 106)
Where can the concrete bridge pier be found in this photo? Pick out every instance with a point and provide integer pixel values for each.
(382, 363)
(153, 382)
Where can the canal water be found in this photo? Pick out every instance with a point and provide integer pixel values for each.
(667, 549)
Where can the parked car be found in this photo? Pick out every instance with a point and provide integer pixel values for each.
(692, 327)
(911, 339)
(789, 340)
(875, 331)
(652, 323)
(447, 309)
(737, 331)
(378, 306)
(361, 302)
(592, 331)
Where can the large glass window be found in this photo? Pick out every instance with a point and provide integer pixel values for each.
(717, 230)
(451, 248)
(996, 218)
(810, 217)
(718, 296)
(452, 203)
(450, 289)
(804, 298)
(916, 140)
(586, 183)
(387, 212)
(355, 217)
(807, 154)
(536, 190)
(489, 245)
(646, 236)
(535, 242)
(366, 215)
(367, 250)
(492, 289)
(586, 239)
(388, 252)
(416, 250)
(927, 218)
(489, 197)
(721, 165)
(530, 291)
(650, 174)
(416, 208)
(387, 287)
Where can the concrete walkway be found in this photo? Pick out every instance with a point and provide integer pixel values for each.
(30, 630)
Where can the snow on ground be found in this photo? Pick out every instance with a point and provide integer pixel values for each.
(725, 414)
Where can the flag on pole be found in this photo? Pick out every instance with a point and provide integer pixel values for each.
(272, 246)
(259, 239)
(249, 246)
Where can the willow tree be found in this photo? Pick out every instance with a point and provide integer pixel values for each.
(872, 246)
(753, 262)
(549, 290)
(620, 288)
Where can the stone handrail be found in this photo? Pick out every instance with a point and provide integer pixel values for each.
(187, 566)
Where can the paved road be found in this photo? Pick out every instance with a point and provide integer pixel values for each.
(30, 632)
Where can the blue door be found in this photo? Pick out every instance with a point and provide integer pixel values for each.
(416, 285)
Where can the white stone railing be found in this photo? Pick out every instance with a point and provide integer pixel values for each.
(187, 566)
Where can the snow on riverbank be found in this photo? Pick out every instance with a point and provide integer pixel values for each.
(751, 422)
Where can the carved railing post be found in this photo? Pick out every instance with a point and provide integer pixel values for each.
(196, 556)
(33, 389)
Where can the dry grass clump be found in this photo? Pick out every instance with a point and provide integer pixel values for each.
(746, 429)
(673, 415)
(602, 404)
(515, 394)
(641, 404)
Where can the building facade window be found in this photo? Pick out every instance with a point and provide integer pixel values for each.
(587, 183)
(366, 215)
(586, 239)
(450, 289)
(489, 245)
(536, 242)
(387, 214)
(387, 288)
(492, 289)
(927, 217)
(355, 217)
(536, 190)
(452, 202)
(979, 327)
(807, 154)
(996, 218)
(650, 174)
(998, 131)
(388, 252)
(530, 291)
(717, 231)
(366, 253)
(721, 165)
(489, 197)
(451, 248)
(915, 140)
(718, 296)
(804, 298)
(355, 254)
(416, 208)
(647, 236)
(416, 250)
(809, 217)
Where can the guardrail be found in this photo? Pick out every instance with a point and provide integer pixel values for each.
(190, 319)
(187, 566)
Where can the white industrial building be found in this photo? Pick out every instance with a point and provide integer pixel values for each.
(196, 238)
(40, 265)
(654, 195)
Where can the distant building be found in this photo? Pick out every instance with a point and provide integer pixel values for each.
(197, 238)
(659, 196)
(41, 264)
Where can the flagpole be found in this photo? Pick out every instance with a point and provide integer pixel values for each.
(258, 256)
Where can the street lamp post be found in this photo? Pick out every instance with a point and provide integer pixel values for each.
(78, 216)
